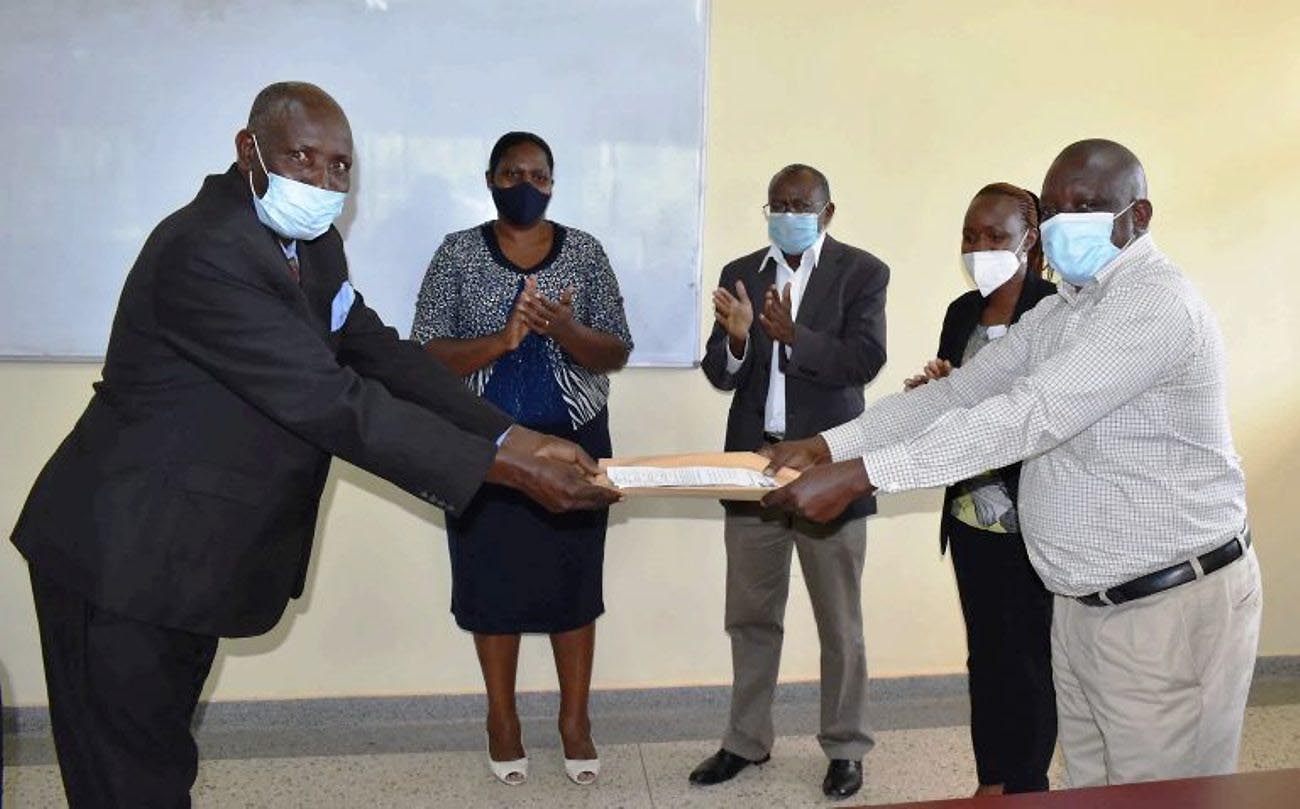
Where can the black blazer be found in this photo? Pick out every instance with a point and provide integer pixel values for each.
(959, 322)
(186, 494)
(839, 347)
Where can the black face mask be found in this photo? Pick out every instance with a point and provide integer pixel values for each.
(521, 204)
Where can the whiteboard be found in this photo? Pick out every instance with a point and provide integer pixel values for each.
(115, 110)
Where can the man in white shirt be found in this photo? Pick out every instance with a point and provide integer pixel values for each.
(1132, 499)
(800, 329)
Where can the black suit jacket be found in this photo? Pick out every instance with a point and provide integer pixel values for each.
(959, 322)
(186, 494)
(839, 347)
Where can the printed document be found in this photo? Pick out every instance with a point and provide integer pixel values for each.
(654, 477)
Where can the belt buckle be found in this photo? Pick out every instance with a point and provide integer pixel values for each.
(1097, 599)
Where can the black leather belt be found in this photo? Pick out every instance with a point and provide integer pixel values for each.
(1170, 577)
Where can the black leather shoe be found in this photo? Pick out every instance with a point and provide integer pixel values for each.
(843, 778)
(723, 765)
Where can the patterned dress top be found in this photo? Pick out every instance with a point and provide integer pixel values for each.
(984, 502)
(470, 289)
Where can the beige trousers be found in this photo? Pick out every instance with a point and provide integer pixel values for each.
(1156, 688)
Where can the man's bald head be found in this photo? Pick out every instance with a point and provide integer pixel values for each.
(1107, 159)
(277, 101)
(1099, 175)
(301, 133)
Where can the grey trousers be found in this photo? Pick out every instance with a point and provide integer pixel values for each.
(759, 546)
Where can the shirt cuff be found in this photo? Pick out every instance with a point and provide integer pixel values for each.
(889, 468)
(734, 362)
(501, 439)
(845, 441)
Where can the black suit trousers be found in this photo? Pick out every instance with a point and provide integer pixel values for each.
(1008, 617)
(122, 696)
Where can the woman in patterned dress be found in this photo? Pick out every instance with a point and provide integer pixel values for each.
(529, 311)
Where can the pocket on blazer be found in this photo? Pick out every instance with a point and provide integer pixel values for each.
(219, 482)
(213, 518)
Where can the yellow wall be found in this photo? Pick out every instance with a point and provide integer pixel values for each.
(908, 107)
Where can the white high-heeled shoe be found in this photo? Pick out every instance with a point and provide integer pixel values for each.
(582, 771)
(510, 773)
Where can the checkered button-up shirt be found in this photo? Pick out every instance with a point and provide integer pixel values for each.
(1114, 395)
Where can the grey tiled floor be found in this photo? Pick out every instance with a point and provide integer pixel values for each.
(907, 764)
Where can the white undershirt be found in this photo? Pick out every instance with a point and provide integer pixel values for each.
(774, 412)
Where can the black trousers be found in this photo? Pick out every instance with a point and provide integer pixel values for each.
(122, 696)
(1008, 617)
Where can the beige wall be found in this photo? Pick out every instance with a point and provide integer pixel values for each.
(908, 107)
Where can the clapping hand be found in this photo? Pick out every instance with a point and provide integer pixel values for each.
(934, 369)
(545, 316)
(516, 328)
(735, 314)
(777, 318)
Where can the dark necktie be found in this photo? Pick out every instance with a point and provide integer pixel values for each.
(293, 270)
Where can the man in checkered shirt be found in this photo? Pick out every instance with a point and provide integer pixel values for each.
(1132, 498)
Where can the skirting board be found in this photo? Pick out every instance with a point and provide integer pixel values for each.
(353, 712)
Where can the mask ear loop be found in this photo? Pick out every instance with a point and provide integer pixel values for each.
(1020, 244)
(258, 151)
(1121, 213)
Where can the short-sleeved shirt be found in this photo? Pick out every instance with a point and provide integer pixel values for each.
(471, 287)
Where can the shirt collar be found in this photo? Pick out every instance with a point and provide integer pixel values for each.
(290, 249)
(1137, 252)
(810, 258)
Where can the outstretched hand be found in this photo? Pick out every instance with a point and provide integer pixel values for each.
(554, 472)
(795, 454)
(557, 449)
(822, 493)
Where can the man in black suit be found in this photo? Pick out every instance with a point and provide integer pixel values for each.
(182, 506)
(802, 334)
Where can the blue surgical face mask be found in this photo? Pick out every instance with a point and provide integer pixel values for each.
(1078, 245)
(292, 209)
(793, 233)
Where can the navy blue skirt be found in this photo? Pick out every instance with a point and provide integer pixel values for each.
(517, 568)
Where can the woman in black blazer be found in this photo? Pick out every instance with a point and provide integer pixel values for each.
(1008, 612)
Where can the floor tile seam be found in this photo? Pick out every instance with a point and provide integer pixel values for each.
(645, 773)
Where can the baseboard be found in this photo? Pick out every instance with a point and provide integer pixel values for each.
(337, 712)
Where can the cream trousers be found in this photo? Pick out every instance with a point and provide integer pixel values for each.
(1156, 688)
